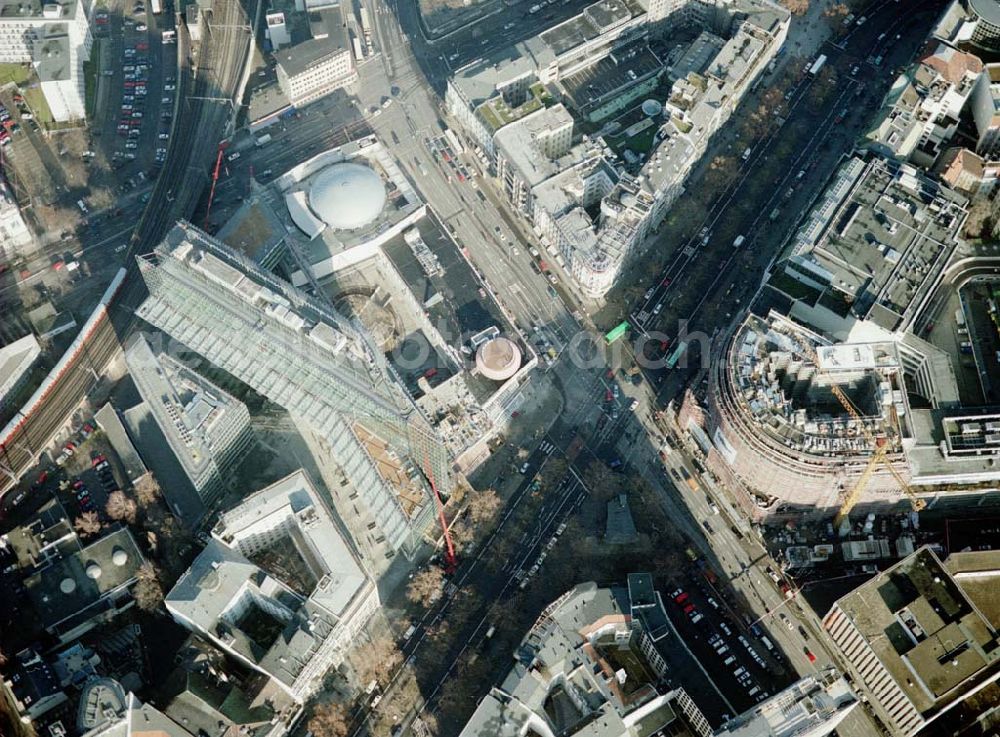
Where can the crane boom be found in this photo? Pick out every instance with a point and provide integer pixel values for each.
(450, 559)
(881, 455)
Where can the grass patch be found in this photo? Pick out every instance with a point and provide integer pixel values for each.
(496, 113)
(20, 74)
(641, 143)
(16, 73)
(36, 101)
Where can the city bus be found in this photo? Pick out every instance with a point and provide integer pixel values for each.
(678, 352)
(616, 332)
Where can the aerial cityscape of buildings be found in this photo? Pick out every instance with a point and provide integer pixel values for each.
(615, 368)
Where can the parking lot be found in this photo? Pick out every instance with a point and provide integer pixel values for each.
(141, 88)
(736, 654)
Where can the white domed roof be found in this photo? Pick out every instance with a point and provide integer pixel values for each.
(347, 196)
(119, 557)
(67, 585)
(93, 571)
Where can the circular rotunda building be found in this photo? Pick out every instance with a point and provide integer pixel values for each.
(498, 359)
(347, 196)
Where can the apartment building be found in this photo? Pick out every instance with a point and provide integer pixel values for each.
(566, 657)
(591, 67)
(813, 706)
(311, 69)
(15, 236)
(16, 360)
(921, 113)
(55, 38)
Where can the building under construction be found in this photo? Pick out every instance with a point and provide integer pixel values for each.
(375, 450)
(776, 421)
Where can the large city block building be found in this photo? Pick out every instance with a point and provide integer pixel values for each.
(296, 623)
(918, 643)
(855, 281)
(371, 442)
(55, 39)
(523, 105)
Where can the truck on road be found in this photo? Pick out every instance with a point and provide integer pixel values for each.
(817, 65)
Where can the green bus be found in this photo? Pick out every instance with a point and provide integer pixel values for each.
(678, 352)
(616, 332)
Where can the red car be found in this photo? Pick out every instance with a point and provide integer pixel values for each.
(78, 484)
(689, 608)
(98, 459)
(666, 281)
(607, 395)
(808, 652)
(682, 598)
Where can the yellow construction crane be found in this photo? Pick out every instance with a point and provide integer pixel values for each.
(880, 455)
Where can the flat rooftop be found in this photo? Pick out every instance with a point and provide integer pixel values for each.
(465, 311)
(924, 630)
(78, 581)
(518, 142)
(32, 10)
(255, 229)
(330, 37)
(16, 359)
(589, 24)
(881, 235)
(293, 505)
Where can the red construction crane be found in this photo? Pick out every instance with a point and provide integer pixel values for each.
(450, 560)
(215, 178)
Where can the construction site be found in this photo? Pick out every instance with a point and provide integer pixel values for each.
(780, 422)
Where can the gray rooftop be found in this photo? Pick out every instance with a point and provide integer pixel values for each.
(73, 584)
(52, 55)
(16, 359)
(33, 10)
(518, 142)
(882, 233)
(206, 596)
(923, 629)
(329, 37)
(988, 10)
